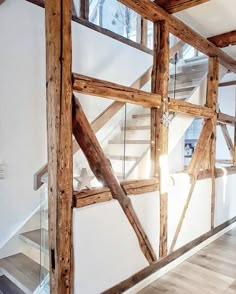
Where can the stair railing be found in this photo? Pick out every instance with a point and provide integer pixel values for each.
(107, 114)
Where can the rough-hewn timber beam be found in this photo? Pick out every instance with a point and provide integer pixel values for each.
(224, 40)
(59, 133)
(173, 6)
(102, 169)
(153, 12)
(100, 88)
(159, 131)
(228, 140)
(211, 101)
(97, 195)
(226, 119)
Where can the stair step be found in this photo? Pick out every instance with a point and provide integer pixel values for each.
(136, 128)
(35, 238)
(129, 142)
(141, 116)
(7, 287)
(22, 271)
(121, 157)
(180, 90)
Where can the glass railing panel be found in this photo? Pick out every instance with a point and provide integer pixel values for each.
(44, 246)
(188, 69)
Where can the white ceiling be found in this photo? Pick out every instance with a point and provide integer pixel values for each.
(212, 18)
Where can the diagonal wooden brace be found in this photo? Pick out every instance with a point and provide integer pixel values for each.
(102, 169)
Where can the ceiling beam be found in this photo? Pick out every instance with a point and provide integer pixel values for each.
(154, 13)
(224, 40)
(173, 6)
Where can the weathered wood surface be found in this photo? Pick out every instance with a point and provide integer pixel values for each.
(173, 6)
(193, 171)
(211, 101)
(159, 132)
(147, 271)
(101, 88)
(102, 169)
(224, 40)
(228, 140)
(97, 195)
(153, 12)
(226, 119)
(59, 133)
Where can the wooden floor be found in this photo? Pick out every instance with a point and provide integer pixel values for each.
(211, 271)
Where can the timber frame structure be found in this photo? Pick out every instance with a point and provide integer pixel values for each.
(65, 117)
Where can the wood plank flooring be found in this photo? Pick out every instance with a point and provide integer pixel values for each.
(211, 271)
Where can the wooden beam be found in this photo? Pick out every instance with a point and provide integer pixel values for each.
(227, 84)
(84, 9)
(211, 101)
(173, 6)
(1, 1)
(101, 88)
(73, 10)
(102, 169)
(228, 140)
(159, 131)
(59, 133)
(153, 12)
(224, 161)
(135, 187)
(108, 113)
(224, 40)
(193, 171)
(144, 32)
(147, 271)
(226, 119)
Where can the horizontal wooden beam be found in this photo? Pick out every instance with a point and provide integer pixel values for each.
(147, 271)
(153, 12)
(226, 84)
(135, 187)
(101, 88)
(97, 195)
(226, 119)
(224, 161)
(173, 6)
(224, 40)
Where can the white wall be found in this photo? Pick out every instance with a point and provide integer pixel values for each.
(105, 246)
(22, 98)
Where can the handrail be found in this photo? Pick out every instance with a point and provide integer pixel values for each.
(107, 114)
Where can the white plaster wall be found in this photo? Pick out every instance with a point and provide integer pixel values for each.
(225, 199)
(22, 98)
(105, 246)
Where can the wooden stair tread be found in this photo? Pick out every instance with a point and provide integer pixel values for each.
(35, 237)
(121, 157)
(129, 142)
(23, 271)
(141, 115)
(136, 128)
(8, 287)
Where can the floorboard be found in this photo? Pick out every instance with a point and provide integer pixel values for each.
(210, 271)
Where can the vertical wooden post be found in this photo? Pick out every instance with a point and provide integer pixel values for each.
(159, 132)
(211, 101)
(84, 9)
(142, 31)
(59, 133)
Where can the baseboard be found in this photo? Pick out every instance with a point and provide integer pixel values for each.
(147, 281)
